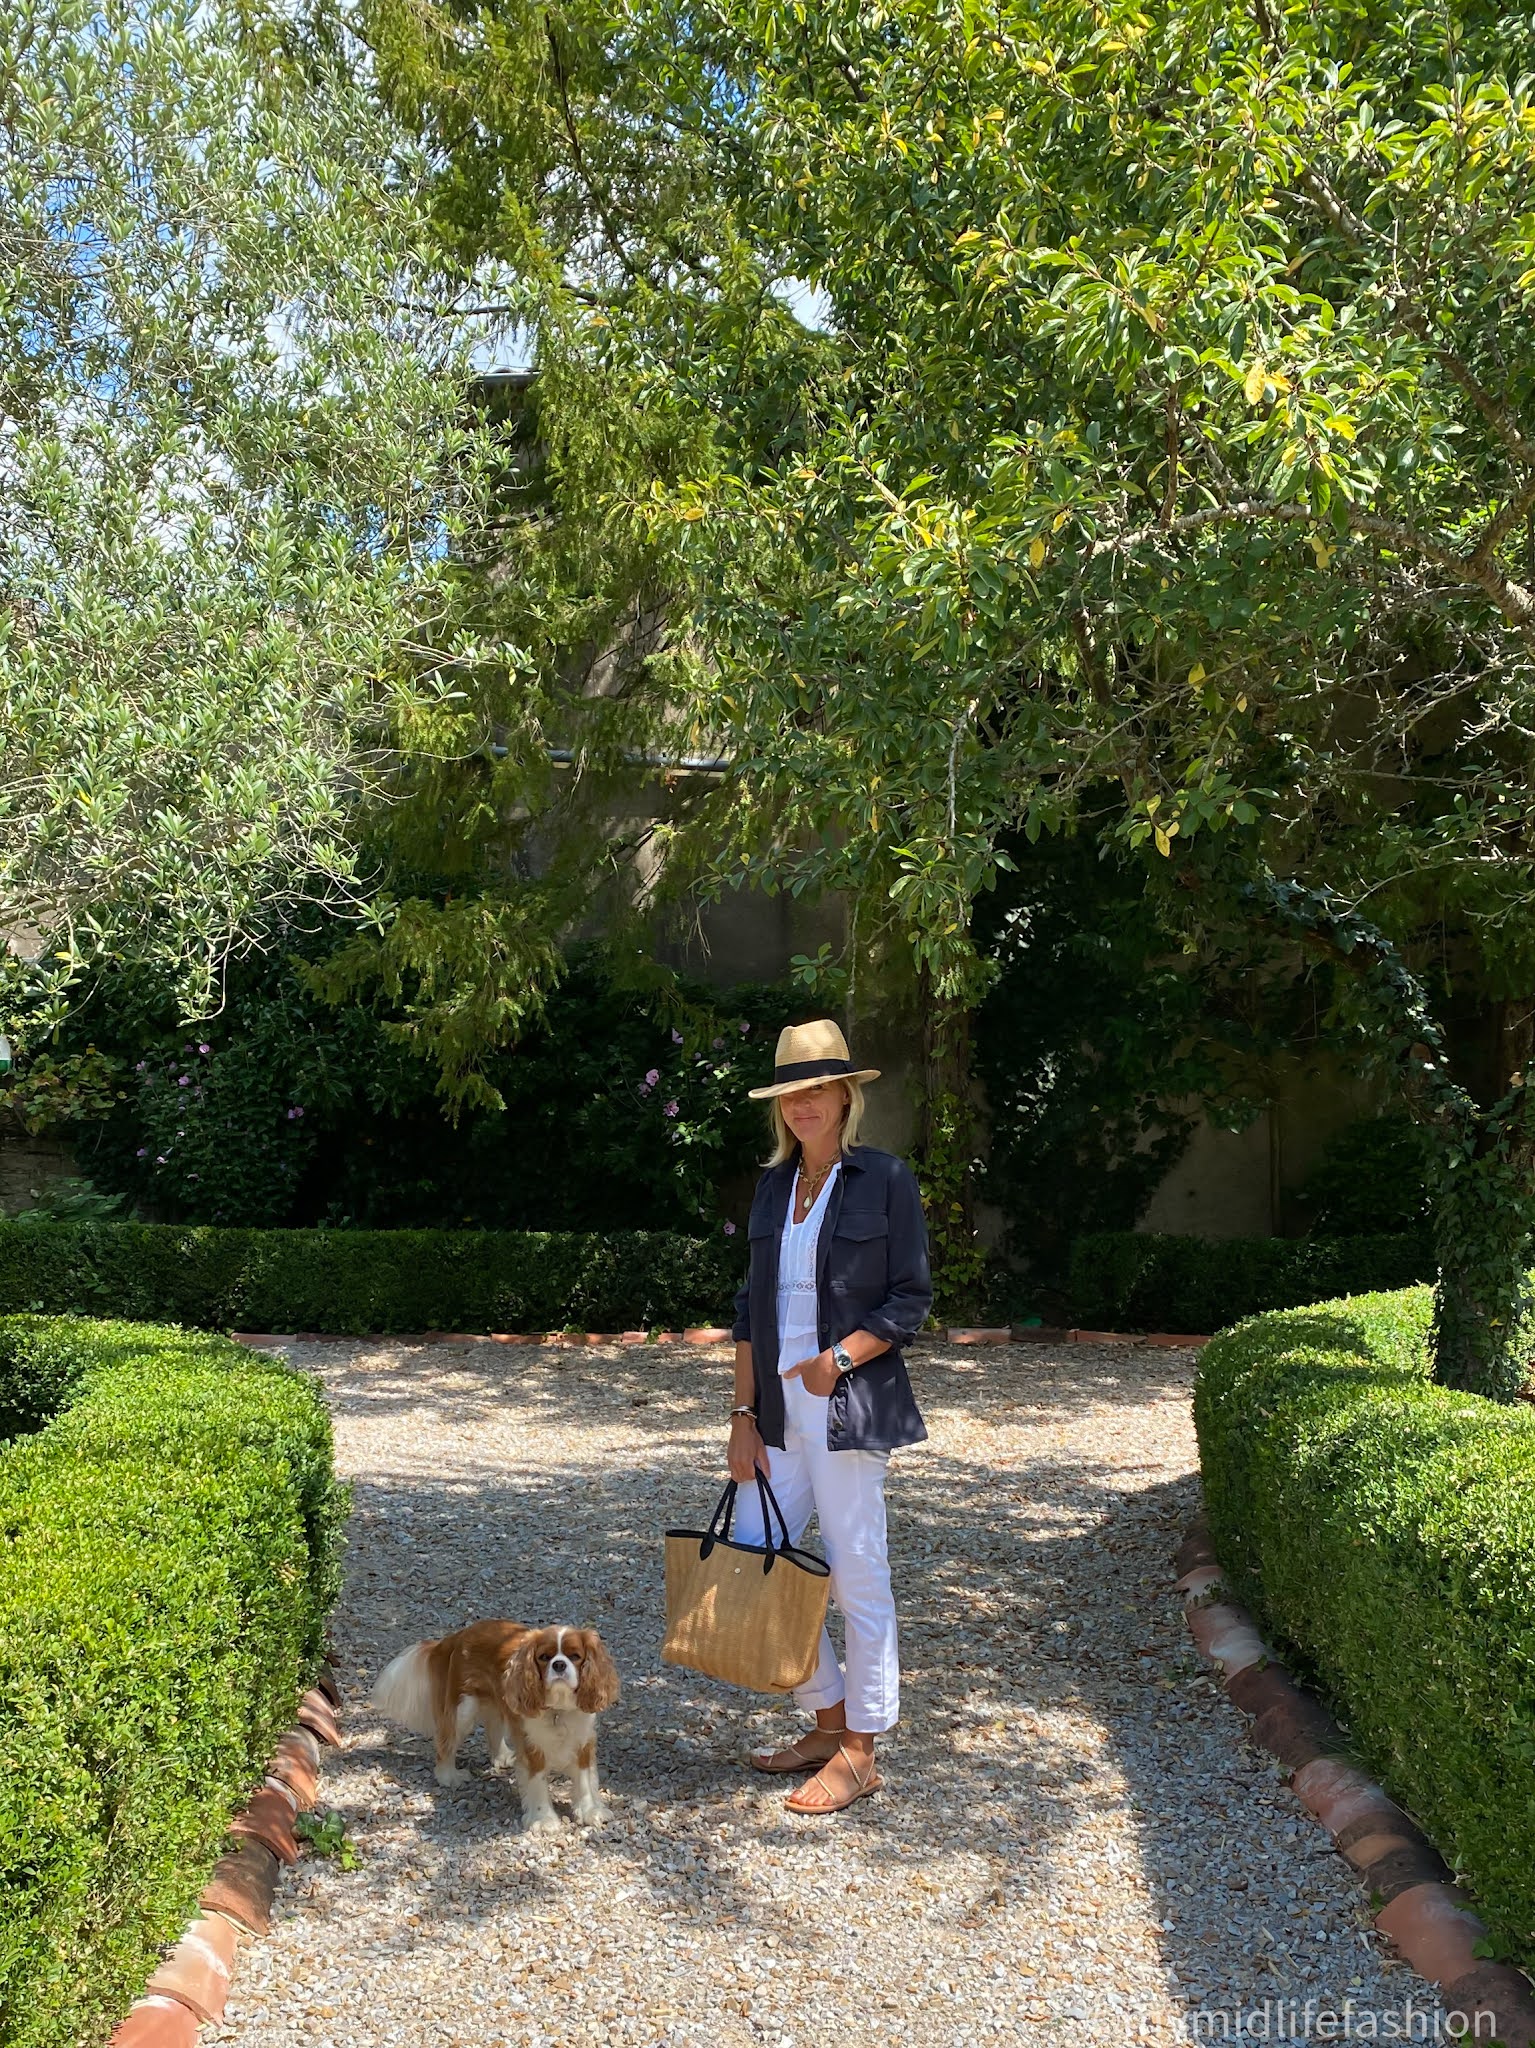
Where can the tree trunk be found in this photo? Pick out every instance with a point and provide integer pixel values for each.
(1484, 1209)
(1484, 1218)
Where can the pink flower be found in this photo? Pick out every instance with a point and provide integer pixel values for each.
(730, 1230)
(184, 1081)
(670, 1109)
(142, 1152)
(652, 1077)
(676, 1037)
(292, 1113)
(715, 1044)
(205, 1048)
(746, 1030)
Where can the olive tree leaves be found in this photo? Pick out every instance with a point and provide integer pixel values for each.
(233, 466)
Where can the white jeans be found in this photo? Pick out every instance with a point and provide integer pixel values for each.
(846, 1489)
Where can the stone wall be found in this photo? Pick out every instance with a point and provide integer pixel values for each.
(27, 1165)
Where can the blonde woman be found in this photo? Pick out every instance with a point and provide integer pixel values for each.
(838, 1283)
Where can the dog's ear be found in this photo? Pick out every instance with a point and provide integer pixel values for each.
(523, 1681)
(599, 1680)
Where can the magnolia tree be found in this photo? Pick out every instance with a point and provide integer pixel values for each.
(232, 466)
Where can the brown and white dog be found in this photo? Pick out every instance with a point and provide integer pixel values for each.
(544, 1686)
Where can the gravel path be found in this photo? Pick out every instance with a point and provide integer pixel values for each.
(1073, 1833)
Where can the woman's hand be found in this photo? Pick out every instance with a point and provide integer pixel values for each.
(747, 1454)
(818, 1375)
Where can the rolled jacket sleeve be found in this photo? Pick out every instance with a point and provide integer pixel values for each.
(905, 1309)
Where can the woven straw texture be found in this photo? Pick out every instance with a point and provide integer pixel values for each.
(728, 1618)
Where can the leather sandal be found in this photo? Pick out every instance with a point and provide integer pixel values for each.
(807, 1754)
(864, 1783)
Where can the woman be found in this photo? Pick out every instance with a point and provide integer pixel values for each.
(838, 1282)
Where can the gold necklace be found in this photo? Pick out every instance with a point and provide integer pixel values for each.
(810, 1184)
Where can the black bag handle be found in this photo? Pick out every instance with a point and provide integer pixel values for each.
(720, 1521)
(717, 1529)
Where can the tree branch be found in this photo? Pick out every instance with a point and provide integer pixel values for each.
(614, 239)
(1514, 600)
(1416, 322)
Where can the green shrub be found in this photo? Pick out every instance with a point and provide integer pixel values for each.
(1384, 1527)
(287, 1111)
(356, 1281)
(1137, 1280)
(171, 1530)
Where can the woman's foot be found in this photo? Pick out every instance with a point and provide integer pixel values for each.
(846, 1777)
(815, 1747)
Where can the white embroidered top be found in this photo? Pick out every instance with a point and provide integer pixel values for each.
(798, 1324)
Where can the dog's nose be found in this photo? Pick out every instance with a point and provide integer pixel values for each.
(560, 1666)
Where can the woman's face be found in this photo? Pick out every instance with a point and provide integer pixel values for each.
(814, 1114)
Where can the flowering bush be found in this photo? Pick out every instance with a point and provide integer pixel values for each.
(623, 1110)
(706, 1126)
(224, 1134)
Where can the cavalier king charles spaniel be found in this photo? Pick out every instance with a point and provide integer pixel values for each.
(543, 1686)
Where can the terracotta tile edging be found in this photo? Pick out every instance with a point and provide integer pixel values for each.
(191, 1983)
(1422, 1911)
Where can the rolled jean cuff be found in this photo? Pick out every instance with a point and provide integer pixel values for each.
(813, 1698)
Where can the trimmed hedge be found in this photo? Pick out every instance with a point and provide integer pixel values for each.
(1384, 1528)
(1137, 1280)
(171, 1533)
(354, 1282)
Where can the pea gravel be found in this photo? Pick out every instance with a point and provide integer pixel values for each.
(1074, 1834)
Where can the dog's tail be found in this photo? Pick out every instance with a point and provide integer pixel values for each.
(404, 1690)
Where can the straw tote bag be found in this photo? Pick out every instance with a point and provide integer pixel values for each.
(749, 1613)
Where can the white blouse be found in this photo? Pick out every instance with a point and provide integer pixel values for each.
(799, 1327)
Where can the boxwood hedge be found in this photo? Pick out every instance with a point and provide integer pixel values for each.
(358, 1281)
(1383, 1528)
(171, 1530)
(1139, 1280)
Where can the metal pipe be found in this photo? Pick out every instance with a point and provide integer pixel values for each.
(685, 764)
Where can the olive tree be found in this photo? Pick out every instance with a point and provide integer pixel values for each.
(234, 464)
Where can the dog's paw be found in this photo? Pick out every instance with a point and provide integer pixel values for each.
(450, 1774)
(593, 1813)
(500, 1758)
(536, 1823)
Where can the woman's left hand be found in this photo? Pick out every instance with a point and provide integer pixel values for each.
(819, 1374)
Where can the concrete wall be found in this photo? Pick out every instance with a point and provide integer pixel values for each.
(1243, 1184)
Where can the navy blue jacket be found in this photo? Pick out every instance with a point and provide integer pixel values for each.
(871, 1274)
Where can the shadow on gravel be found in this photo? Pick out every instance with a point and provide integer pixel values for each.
(1024, 1585)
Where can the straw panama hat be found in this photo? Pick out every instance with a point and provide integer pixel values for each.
(808, 1054)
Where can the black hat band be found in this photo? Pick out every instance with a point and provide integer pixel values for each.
(810, 1070)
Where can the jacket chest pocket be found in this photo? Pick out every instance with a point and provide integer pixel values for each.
(860, 1254)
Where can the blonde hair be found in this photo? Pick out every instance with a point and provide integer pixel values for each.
(785, 1144)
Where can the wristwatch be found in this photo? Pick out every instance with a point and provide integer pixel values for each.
(840, 1358)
